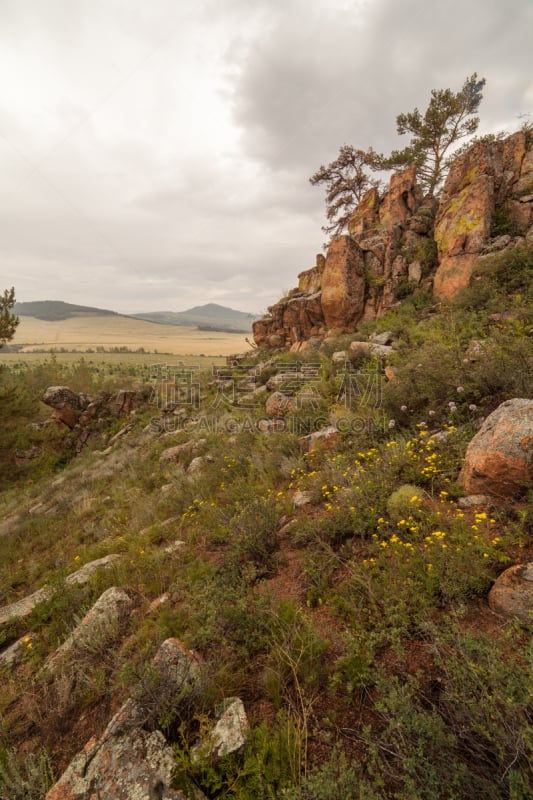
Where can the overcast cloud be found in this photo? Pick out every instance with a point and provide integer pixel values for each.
(156, 156)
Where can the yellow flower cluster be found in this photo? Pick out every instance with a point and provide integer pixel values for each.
(194, 508)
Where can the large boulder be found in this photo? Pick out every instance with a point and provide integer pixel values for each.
(81, 576)
(512, 593)
(61, 396)
(499, 459)
(325, 438)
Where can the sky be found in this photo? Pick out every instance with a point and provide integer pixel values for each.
(156, 155)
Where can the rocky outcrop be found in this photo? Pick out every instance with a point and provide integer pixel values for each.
(492, 177)
(499, 459)
(124, 763)
(86, 415)
(98, 628)
(292, 320)
(131, 759)
(77, 408)
(24, 607)
(401, 239)
(361, 272)
(512, 593)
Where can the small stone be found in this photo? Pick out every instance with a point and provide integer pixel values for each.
(229, 734)
(271, 425)
(174, 547)
(278, 404)
(156, 604)
(473, 500)
(340, 357)
(386, 337)
(302, 499)
(325, 437)
(371, 348)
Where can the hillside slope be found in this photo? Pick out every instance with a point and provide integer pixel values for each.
(304, 575)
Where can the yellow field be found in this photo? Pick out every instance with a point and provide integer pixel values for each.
(87, 333)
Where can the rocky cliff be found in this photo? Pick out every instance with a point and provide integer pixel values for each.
(402, 240)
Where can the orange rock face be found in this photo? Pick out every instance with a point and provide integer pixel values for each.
(402, 199)
(499, 459)
(290, 322)
(487, 176)
(399, 240)
(343, 284)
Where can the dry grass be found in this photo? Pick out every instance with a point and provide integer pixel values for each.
(90, 332)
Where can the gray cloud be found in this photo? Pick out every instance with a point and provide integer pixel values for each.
(157, 155)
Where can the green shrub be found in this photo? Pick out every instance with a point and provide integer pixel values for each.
(28, 779)
(400, 503)
(497, 276)
(337, 779)
(502, 222)
(467, 731)
(270, 763)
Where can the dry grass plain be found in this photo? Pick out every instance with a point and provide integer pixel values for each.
(86, 333)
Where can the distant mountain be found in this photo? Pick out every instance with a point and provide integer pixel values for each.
(207, 317)
(56, 310)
